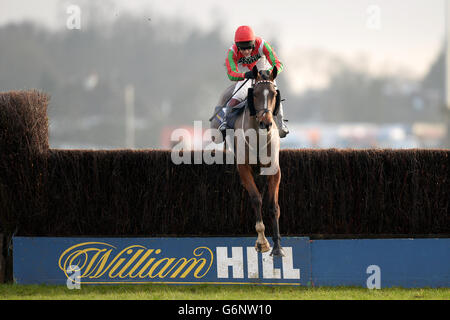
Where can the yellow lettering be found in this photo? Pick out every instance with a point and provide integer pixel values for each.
(136, 255)
(69, 257)
(86, 272)
(102, 263)
(138, 264)
(197, 254)
(160, 273)
(193, 264)
(141, 272)
(93, 259)
(117, 265)
(127, 251)
(180, 268)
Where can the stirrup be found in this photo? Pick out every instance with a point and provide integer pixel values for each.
(223, 126)
(283, 130)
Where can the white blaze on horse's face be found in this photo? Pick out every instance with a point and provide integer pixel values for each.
(266, 93)
(264, 117)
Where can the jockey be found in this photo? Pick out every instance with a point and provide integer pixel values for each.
(246, 52)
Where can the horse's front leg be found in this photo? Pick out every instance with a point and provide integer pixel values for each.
(274, 184)
(245, 172)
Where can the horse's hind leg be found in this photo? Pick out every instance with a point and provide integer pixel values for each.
(274, 184)
(245, 172)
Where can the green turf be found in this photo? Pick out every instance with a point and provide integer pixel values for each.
(215, 292)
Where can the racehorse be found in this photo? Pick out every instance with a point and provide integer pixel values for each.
(262, 103)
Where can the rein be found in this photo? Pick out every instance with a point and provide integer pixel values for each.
(253, 111)
(245, 140)
(225, 104)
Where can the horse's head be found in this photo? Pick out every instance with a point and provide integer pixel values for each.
(264, 97)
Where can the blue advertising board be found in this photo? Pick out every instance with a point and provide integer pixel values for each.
(158, 260)
(411, 263)
(371, 263)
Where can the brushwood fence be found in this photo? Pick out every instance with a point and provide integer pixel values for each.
(327, 192)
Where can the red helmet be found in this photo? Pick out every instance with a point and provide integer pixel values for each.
(244, 36)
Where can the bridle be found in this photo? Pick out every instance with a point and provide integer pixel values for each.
(251, 105)
(253, 111)
(262, 112)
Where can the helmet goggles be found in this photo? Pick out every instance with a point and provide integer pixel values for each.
(245, 45)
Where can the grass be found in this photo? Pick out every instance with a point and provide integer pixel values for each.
(214, 292)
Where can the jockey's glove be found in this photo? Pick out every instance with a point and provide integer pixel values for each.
(249, 75)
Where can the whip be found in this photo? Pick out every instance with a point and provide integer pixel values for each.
(215, 114)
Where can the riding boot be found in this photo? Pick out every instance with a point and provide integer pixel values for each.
(224, 125)
(281, 124)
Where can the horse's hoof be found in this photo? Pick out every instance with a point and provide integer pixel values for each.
(262, 247)
(277, 252)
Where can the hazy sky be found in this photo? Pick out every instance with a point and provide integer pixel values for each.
(384, 36)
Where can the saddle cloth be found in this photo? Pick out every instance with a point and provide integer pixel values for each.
(232, 116)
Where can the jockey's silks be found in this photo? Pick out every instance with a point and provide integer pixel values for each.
(235, 58)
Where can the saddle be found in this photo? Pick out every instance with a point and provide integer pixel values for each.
(219, 115)
(232, 116)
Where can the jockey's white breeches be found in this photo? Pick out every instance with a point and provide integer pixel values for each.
(241, 95)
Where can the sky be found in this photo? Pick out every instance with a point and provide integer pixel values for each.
(381, 36)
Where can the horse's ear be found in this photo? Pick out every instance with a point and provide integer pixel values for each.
(274, 73)
(255, 72)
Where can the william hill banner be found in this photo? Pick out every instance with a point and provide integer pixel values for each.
(158, 260)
